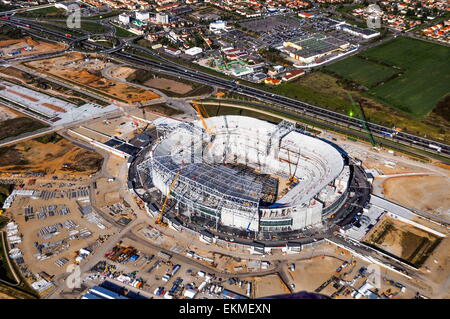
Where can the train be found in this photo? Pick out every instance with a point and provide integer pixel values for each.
(437, 148)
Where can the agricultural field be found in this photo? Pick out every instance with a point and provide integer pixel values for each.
(363, 71)
(331, 92)
(48, 12)
(423, 74)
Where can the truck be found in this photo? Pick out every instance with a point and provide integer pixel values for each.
(249, 289)
(387, 133)
(159, 291)
(202, 285)
(175, 269)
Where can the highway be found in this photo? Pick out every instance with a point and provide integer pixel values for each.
(323, 114)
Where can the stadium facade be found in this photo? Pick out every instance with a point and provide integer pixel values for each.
(246, 173)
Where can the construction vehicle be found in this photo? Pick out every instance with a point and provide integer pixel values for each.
(159, 220)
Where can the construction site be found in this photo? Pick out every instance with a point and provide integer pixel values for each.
(27, 47)
(246, 176)
(85, 71)
(51, 156)
(153, 204)
(403, 240)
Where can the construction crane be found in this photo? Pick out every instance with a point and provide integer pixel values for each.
(289, 162)
(163, 207)
(363, 118)
(292, 178)
(199, 112)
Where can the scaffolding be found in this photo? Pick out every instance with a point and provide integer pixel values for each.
(223, 176)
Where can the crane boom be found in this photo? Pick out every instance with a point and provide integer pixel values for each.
(197, 108)
(363, 119)
(159, 220)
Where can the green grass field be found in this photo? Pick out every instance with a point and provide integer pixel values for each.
(362, 71)
(424, 74)
(120, 32)
(47, 12)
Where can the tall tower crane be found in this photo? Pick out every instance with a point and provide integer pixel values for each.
(163, 207)
(199, 110)
(363, 118)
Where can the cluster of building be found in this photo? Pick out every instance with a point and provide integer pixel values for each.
(315, 49)
(199, 32)
(253, 8)
(440, 31)
(407, 14)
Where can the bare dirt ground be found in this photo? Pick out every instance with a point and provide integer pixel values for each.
(122, 127)
(86, 71)
(403, 240)
(427, 193)
(384, 167)
(437, 268)
(310, 274)
(268, 286)
(59, 158)
(6, 113)
(16, 76)
(37, 47)
(107, 193)
(4, 296)
(122, 72)
(169, 85)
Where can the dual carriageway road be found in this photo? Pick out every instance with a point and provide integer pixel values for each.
(390, 135)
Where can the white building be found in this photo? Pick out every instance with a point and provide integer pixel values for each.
(218, 26)
(162, 18)
(123, 18)
(142, 16)
(193, 51)
(360, 32)
(190, 293)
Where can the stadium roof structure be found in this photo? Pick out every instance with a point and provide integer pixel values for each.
(248, 141)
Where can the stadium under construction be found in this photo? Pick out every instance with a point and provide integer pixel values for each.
(246, 176)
